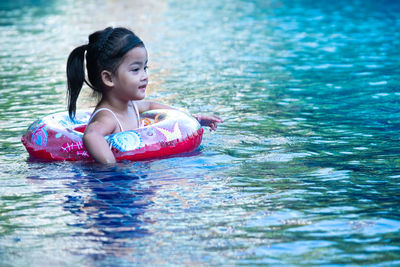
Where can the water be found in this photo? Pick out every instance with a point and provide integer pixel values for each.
(304, 171)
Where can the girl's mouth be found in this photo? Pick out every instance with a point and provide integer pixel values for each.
(143, 87)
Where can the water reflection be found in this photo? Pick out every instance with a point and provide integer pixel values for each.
(109, 205)
(305, 168)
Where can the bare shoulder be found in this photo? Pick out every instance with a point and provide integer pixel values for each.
(103, 123)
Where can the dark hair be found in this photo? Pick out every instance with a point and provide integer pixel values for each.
(105, 51)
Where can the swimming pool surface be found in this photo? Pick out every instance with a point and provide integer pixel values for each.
(304, 171)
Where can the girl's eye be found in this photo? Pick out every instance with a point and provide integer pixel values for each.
(146, 68)
(135, 70)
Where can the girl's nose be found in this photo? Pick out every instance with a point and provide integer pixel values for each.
(144, 76)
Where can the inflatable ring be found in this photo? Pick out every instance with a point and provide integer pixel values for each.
(168, 132)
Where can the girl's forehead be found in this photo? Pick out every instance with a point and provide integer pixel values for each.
(136, 54)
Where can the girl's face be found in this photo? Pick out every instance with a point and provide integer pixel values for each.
(131, 78)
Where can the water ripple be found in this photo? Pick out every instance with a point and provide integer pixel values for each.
(304, 169)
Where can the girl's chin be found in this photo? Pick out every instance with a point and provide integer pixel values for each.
(139, 97)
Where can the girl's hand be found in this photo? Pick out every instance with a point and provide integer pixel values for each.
(209, 120)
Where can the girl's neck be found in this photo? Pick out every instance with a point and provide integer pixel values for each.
(117, 105)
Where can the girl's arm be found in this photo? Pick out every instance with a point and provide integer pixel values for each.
(94, 141)
(204, 120)
(150, 105)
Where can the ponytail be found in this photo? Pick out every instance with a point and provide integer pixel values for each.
(75, 77)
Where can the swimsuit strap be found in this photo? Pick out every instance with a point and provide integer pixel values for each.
(140, 124)
(101, 109)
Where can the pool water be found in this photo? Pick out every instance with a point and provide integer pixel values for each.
(305, 170)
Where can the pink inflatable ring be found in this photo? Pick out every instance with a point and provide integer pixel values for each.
(167, 132)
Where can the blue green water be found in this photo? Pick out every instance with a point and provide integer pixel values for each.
(304, 171)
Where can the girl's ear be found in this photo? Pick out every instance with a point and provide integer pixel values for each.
(107, 78)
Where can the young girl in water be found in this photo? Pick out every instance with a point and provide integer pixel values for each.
(116, 63)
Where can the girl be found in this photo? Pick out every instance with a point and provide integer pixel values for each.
(116, 63)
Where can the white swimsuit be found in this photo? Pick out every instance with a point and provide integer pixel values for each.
(115, 116)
